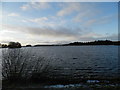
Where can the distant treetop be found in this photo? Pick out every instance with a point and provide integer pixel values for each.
(14, 45)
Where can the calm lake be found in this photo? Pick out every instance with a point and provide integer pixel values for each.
(80, 61)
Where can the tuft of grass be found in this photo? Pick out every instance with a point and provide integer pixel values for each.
(19, 65)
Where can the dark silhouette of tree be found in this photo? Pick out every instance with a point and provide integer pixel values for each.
(28, 45)
(14, 45)
(99, 42)
(4, 46)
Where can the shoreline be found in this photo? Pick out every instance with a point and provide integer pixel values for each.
(90, 84)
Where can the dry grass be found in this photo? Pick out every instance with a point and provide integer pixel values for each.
(19, 64)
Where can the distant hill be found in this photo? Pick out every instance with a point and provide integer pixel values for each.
(99, 42)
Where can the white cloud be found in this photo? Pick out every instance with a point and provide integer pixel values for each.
(41, 21)
(69, 8)
(38, 20)
(51, 21)
(83, 12)
(13, 14)
(25, 21)
(86, 14)
(25, 7)
(101, 20)
(35, 5)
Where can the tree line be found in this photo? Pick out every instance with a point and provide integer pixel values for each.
(99, 42)
(11, 45)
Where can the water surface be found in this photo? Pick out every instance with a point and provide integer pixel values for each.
(80, 61)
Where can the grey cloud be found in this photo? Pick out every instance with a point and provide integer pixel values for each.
(62, 34)
(111, 37)
(48, 31)
(102, 20)
(7, 41)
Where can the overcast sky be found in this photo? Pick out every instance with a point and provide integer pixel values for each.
(55, 22)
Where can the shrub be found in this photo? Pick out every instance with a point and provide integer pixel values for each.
(19, 64)
(4, 46)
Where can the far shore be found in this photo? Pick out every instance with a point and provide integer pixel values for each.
(90, 43)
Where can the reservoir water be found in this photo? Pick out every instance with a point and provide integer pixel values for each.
(79, 61)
